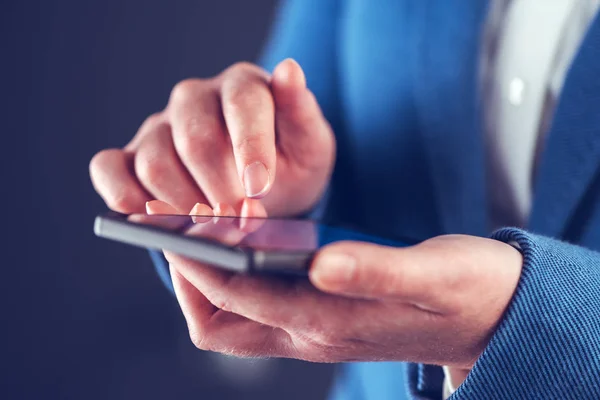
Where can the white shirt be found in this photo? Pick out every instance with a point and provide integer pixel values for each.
(527, 49)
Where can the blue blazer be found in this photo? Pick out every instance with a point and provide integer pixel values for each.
(397, 79)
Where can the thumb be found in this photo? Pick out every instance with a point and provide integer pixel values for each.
(303, 134)
(367, 270)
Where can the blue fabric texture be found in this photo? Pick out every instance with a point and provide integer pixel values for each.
(548, 344)
(397, 79)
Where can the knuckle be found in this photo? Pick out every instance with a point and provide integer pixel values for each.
(323, 337)
(123, 202)
(150, 167)
(243, 88)
(251, 145)
(102, 167)
(222, 303)
(186, 90)
(219, 299)
(198, 136)
(240, 98)
(241, 68)
(103, 159)
(195, 129)
(197, 146)
(317, 331)
(199, 339)
(388, 280)
(219, 296)
(153, 119)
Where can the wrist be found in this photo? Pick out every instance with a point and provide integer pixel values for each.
(455, 377)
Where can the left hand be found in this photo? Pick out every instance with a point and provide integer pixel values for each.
(438, 302)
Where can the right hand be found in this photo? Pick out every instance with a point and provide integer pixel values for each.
(242, 134)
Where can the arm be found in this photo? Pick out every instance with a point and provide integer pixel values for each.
(548, 344)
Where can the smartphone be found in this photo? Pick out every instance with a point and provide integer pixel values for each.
(243, 245)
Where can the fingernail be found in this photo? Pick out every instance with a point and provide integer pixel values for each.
(199, 213)
(218, 211)
(149, 206)
(193, 213)
(256, 179)
(334, 268)
(196, 209)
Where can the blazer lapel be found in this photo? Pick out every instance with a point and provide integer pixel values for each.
(572, 154)
(449, 110)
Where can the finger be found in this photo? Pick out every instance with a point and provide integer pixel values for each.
(220, 230)
(199, 136)
(113, 178)
(155, 207)
(267, 301)
(146, 128)
(195, 307)
(204, 225)
(224, 210)
(253, 214)
(201, 216)
(161, 172)
(303, 134)
(367, 270)
(224, 230)
(217, 330)
(250, 117)
(253, 209)
(201, 213)
(160, 214)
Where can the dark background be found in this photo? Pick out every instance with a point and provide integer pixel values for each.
(83, 317)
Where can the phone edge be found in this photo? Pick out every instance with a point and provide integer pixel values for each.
(151, 237)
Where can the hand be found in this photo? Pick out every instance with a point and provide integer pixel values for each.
(242, 134)
(438, 302)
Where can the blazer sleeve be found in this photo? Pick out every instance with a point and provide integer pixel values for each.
(306, 30)
(548, 344)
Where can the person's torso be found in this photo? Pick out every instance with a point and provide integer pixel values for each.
(412, 149)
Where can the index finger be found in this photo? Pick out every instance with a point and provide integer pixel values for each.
(269, 301)
(249, 113)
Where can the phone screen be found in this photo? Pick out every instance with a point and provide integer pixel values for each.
(263, 234)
